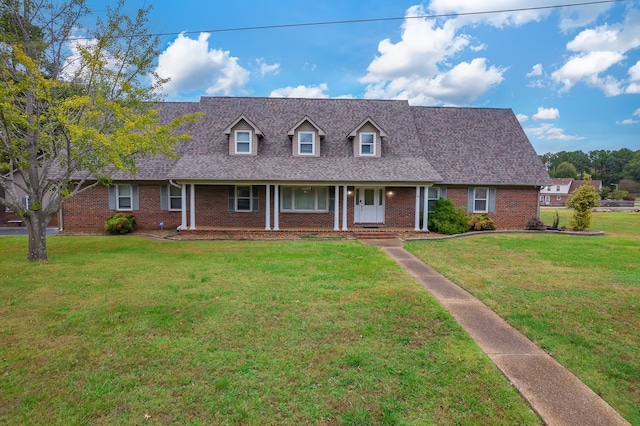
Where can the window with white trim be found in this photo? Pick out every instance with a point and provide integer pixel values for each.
(367, 144)
(175, 198)
(480, 200)
(304, 199)
(433, 193)
(124, 197)
(243, 141)
(306, 143)
(244, 197)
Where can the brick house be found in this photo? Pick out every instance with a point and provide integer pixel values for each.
(281, 164)
(557, 193)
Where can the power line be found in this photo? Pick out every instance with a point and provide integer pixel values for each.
(359, 21)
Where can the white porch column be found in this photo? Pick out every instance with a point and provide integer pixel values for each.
(183, 225)
(344, 208)
(267, 220)
(425, 209)
(417, 217)
(276, 207)
(336, 209)
(192, 208)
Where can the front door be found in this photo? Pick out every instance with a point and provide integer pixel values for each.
(369, 205)
(547, 200)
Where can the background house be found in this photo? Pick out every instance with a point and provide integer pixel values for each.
(559, 191)
(272, 164)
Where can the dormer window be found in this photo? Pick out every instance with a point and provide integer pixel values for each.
(305, 137)
(243, 141)
(367, 144)
(306, 143)
(367, 139)
(243, 137)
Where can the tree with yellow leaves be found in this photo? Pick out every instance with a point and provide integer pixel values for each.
(76, 103)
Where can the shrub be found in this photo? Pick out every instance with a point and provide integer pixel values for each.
(480, 222)
(582, 201)
(536, 224)
(119, 223)
(619, 194)
(446, 218)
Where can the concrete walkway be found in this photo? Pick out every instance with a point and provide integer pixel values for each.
(553, 392)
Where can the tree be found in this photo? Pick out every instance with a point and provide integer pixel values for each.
(565, 170)
(76, 103)
(632, 168)
(583, 199)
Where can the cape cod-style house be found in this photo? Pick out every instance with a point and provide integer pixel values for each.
(334, 164)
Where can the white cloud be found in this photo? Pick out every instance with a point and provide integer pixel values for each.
(598, 50)
(301, 92)
(634, 79)
(546, 114)
(579, 17)
(536, 71)
(193, 66)
(266, 68)
(548, 131)
(586, 67)
(513, 18)
(479, 47)
(636, 113)
(418, 66)
(522, 118)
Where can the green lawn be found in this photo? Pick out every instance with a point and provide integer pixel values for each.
(125, 330)
(577, 297)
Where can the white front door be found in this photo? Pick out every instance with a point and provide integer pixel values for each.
(369, 205)
(547, 200)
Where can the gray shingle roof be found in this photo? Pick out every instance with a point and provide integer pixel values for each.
(423, 144)
(479, 146)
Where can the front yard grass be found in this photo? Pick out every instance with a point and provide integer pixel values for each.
(125, 330)
(576, 297)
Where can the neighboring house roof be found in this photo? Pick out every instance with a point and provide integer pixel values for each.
(562, 181)
(421, 144)
(597, 184)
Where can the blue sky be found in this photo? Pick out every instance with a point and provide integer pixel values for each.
(571, 75)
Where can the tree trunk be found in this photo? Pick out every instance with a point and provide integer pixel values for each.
(37, 227)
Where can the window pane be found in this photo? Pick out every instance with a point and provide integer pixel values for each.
(243, 147)
(174, 191)
(480, 206)
(305, 199)
(367, 149)
(368, 197)
(481, 193)
(286, 198)
(433, 193)
(124, 202)
(322, 198)
(124, 190)
(243, 136)
(306, 137)
(306, 148)
(366, 138)
(244, 204)
(244, 192)
(176, 203)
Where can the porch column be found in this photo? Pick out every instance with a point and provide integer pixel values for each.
(276, 206)
(192, 208)
(417, 217)
(425, 209)
(183, 225)
(267, 225)
(336, 209)
(344, 208)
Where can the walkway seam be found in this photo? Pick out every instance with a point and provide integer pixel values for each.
(552, 391)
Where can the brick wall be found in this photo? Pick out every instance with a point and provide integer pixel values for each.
(86, 212)
(514, 206)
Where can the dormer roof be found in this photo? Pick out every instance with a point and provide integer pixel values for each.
(368, 120)
(292, 131)
(256, 130)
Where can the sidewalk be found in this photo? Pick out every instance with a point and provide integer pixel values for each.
(553, 392)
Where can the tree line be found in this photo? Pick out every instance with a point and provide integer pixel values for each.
(608, 166)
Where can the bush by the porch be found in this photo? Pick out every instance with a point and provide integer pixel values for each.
(446, 218)
(119, 223)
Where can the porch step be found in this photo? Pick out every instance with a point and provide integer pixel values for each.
(375, 235)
